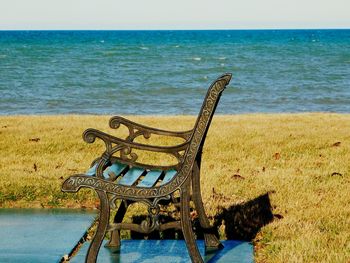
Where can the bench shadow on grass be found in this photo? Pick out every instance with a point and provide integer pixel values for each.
(241, 221)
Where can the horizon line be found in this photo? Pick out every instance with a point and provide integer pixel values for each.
(186, 29)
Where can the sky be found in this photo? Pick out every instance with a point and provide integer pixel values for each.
(175, 14)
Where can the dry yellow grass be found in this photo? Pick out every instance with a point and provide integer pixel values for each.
(304, 159)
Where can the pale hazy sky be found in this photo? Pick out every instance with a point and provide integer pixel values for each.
(175, 14)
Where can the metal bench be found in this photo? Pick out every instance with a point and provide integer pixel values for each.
(118, 175)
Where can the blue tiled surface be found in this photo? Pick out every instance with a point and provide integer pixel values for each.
(169, 251)
(43, 235)
(40, 235)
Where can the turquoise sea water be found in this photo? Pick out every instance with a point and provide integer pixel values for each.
(168, 72)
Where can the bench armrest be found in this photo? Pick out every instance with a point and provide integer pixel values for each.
(136, 129)
(90, 135)
(125, 148)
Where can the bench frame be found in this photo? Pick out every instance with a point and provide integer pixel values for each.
(186, 181)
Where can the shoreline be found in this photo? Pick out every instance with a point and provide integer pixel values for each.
(175, 115)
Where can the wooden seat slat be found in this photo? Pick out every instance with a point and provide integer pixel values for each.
(92, 170)
(168, 176)
(131, 176)
(150, 179)
(115, 169)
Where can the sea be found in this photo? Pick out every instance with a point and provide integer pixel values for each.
(168, 72)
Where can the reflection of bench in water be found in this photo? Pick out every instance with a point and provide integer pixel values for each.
(119, 174)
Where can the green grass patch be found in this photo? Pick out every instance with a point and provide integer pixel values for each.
(301, 159)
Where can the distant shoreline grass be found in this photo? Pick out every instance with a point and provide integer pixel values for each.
(302, 159)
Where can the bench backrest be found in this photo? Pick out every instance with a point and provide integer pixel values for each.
(203, 121)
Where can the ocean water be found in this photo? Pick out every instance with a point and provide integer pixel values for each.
(168, 72)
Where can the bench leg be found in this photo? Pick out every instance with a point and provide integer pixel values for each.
(103, 221)
(186, 224)
(211, 241)
(114, 242)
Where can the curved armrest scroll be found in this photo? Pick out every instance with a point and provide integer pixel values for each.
(144, 130)
(90, 135)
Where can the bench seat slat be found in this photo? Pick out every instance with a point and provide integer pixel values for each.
(168, 176)
(92, 170)
(115, 168)
(150, 179)
(131, 176)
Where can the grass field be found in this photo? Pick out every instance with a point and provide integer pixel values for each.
(302, 160)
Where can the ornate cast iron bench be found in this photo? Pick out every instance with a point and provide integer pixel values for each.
(118, 174)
